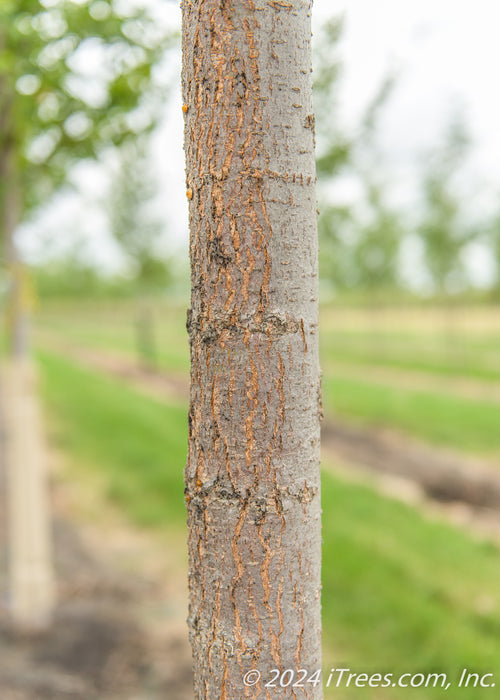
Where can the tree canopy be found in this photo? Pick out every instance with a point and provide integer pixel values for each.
(443, 229)
(132, 218)
(75, 76)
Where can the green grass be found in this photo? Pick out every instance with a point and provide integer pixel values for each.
(435, 416)
(458, 356)
(461, 423)
(400, 593)
(137, 444)
(403, 594)
(114, 328)
(439, 346)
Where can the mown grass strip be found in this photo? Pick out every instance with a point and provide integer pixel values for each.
(400, 593)
(137, 443)
(457, 358)
(405, 594)
(118, 331)
(461, 423)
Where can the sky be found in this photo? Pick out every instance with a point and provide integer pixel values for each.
(445, 54)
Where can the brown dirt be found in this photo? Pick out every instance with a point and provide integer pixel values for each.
(443, 475)
(441, 484)
(121, 635)
(154, 382)
(119, 629)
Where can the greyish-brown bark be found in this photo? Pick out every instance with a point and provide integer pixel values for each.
(31, 577)
(252, 477)
(10, 218)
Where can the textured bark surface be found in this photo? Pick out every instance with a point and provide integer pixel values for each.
(252, 477)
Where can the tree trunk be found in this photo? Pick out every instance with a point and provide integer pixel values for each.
(17, 316)
(31, 575)
(252, 476)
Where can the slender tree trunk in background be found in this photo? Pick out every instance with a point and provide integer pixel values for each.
(252, 477)
(31, 575)
(146, 337)
(17, 313)
(30, 568)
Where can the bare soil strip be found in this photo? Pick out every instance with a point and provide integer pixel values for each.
(444, 476)
(119, 630)
(120, 627)
(441, 484)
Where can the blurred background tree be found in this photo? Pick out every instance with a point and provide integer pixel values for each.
(75, 77)
(443, 227)
(493, 238)
(139, 230)
(359, 243)
(333, 146)
(134, 222)
(375, 254)
(333, 152)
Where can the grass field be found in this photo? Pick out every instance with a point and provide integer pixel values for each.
(137, 445)
(115, 326)
(453, 351)
(465, 424)
(443, 347)
(401, 593)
